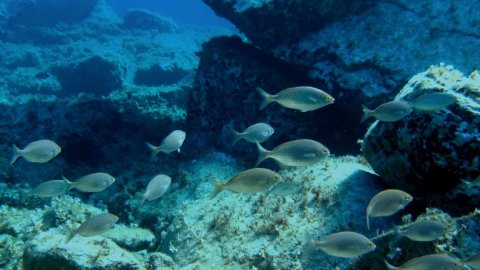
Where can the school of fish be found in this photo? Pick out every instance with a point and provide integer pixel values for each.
(299, 153)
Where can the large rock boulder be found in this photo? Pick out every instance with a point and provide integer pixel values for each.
(270, 23)
(429, 152)
(48, 250)
(224, 98)
(144, 20)
(370, 47)
(94, 75)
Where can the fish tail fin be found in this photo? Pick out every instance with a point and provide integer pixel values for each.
(309, 247)
(366, 113)
(262, 154)
(70, 235)
(389, 266)
(466, 183)
(219, 186)
(266, 98)
(16, 153)
(71, 185)
(237, 136)
(154, 150)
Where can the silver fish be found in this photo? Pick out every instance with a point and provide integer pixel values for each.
(283, 188)
(252, 180)
(473, 262)
(433, 101)
(94, 226)
(156, 188)
(38, 151)
(259, 132)
(429, 262)
(94, 182)
(171, 143)
(50, 188)
(298, 153)
(388, 112)
(387, 203)
(423, 231)
(344, 244)
(302, 98)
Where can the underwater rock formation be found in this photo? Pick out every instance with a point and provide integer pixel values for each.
(267, 22)
(265, 230)
(369, 47)
(94, 75)
(32, 13)
(35, 238)
(144, 20)
(460, 240)
(224, 98)
(100, 55)
(48, 251)
(429, 152)
(95, 135)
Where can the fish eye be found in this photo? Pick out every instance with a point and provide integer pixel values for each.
(325, 151)
(371, 245)
(408, 197)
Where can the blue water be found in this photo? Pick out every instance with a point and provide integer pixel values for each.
(161, 97)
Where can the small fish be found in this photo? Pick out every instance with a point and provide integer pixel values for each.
(344, 244)
(302, 98)
(424, 231)
(473, 262)
(50, 188)
(388, 112)
(94, 226)
(94, 182)
(171, 143)
(38, 151)
(298, 153)
(259, 132)
(429, 262)
(252, 180)
(283, 188)
(387, 203)
(156, 188)
(433, 101)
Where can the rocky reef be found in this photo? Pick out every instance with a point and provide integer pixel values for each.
(428, 153)
(362, 54)
(101, 86)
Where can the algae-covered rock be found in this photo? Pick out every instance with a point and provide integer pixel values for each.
(131, 238)
(430, 152)
(48, 251)
(460, 241)
(158, 260)
(268, 231)
(11, 251)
